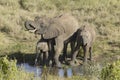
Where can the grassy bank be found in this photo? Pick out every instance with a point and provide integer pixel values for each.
(10, 71)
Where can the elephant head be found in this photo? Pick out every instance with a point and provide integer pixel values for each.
(36, 25)
(42, 26)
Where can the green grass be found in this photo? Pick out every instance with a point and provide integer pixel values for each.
(111, 71)
(93, 71)
(103, 15)
(10, 71)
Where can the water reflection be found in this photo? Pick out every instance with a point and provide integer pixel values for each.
(63, 72)
(60, 72)
(77, 70)
(36, 70)
(69, 72)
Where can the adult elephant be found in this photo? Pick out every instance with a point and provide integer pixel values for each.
(61, 28)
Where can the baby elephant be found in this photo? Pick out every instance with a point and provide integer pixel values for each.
(85, 38)
(42, 50)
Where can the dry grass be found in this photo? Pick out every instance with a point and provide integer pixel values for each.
(103, 15)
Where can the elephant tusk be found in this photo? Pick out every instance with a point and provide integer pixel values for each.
(33, 30)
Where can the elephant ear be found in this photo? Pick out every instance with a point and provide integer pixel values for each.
(53, 31)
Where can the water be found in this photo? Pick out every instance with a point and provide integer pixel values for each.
(38, 70)
(69, 72)
(60, 72)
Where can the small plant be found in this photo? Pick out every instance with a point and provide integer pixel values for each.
(111, 71)
(8, 68)
(10, 71)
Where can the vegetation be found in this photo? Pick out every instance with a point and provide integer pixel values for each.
(10, 71)
(103, 15)
(111, 71)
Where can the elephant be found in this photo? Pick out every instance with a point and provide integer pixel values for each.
(61, 28)
(85, 38)
(45, 50)
(42, 49)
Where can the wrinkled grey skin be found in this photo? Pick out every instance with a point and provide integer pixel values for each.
(42, 49)
(85, 39)
(45, 49)
(61, 28)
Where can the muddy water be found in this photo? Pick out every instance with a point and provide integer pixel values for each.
(63, 72)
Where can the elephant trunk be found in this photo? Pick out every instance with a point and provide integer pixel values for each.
(29, 25)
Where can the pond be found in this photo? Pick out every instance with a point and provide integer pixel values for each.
(61, 72)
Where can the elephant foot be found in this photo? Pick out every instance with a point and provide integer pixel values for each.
(77, 62)
(90, 59)
(84, 62)
(72, 63)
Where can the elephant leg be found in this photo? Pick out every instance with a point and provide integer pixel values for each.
(58, 49)
(64, 52)
(42, 58)
(51, 58)
(46, 58)
(57, 54)
(74, 54)
(51, 52)
(85, 49)
(72, 45)
(37, 55)
(90, 53)
(36, 60)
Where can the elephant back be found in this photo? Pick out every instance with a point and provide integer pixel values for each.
(64, 24)
(87, 33)
(68, 21)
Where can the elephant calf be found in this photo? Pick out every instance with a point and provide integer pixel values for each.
(46, 50)
(43, 50)
(85, 38)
